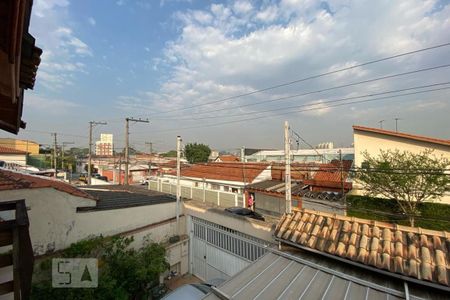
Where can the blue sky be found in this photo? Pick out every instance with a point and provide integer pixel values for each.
(107, 60)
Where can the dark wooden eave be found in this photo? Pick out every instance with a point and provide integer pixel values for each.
(19, 60)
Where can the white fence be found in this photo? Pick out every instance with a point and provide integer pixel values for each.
(219, 198)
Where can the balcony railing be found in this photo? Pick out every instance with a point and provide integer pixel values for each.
(14, 232)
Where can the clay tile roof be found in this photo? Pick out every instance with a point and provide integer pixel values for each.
(228, 158)
(408, 251)
(225, 171)
(404, 135)
(10, 180)
(6, 150)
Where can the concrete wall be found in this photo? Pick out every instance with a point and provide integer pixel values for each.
(258, 229)
(271, 205)
(55, 224)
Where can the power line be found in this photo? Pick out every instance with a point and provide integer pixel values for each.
(327, 89)
(309, 78)
(318, 103)
(302, 110)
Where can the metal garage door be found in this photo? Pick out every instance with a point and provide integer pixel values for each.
(220, 252)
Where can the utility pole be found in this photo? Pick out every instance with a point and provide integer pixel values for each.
(150, 147)
(342, 175)
(396, 127)
(62, 152)
(91, 125)
(287, 157)
(127, 150)
(178, 182)
(381, 123)
(54, 152)
(150, 159)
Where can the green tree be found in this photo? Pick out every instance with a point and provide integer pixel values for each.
(124, 273)
(171, 153)
(406, 177)
(196, 153)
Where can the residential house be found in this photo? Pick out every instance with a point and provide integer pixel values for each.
(313, 186)
(302, 155)
(13, 156)
(227, 177)
(23, 145)
(374, 140)
(61, 214)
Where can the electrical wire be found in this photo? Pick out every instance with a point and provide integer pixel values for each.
(325, 89)
(315, 103)
(309, 78)
(322, 106)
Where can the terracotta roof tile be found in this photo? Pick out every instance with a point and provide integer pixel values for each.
(7, 150)
(415, 252)
(10, 180)
(242, 172)
(228, 158)
(404, 135)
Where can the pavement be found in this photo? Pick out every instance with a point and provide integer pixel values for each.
(178, 281)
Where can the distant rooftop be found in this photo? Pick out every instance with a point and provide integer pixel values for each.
(7, 150)
(11, 180)
(403, 135)
(121, 196)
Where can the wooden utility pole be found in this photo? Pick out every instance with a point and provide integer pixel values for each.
(287, 157)
(342, 175)
(62, 152)
(127, 142)
(150, 144)
(54, 152)
(396, 124)
(91, 125)
(178, 182)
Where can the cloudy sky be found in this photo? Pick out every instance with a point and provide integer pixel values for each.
(193, 68)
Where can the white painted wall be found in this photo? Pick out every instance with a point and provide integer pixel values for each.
(373, 143)
(20, 159)
(55, 224)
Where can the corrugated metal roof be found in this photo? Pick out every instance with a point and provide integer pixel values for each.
(116, 197)
(279, 275)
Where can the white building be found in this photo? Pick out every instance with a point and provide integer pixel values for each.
(302, 155)
(105, 147)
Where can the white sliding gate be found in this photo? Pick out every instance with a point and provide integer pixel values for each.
(220, 252)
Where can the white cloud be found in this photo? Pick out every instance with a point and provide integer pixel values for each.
(317, 108)
(242, 7)
(49, 105)
(239, 48)
(63, 51)
(41, 8)
(92, 21)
